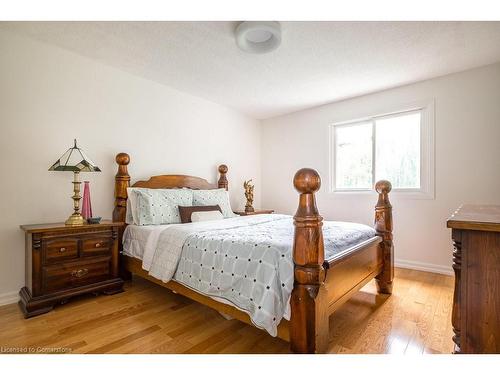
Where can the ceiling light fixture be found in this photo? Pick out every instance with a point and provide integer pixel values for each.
(258, 36)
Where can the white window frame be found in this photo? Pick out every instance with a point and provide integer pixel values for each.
(426, 191)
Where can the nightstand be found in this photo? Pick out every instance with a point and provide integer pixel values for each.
(64, 261)
(256, 212)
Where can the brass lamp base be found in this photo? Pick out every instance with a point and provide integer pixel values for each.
(75, 220)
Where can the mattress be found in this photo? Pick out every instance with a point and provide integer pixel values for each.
(136, 237)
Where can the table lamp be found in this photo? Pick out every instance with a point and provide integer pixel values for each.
(74, 160)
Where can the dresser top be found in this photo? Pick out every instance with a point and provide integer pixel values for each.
(476, 217)
(54, 227)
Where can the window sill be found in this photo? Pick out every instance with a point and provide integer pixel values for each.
(400, 194)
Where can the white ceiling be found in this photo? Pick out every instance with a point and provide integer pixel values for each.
(317, 63)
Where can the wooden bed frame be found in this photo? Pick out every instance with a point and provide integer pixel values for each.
(321, 286)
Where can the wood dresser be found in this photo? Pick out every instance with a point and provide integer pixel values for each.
(64, 261)
(256, 212)
(476, 262)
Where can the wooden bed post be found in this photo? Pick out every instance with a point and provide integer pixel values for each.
(222, 183)
(122, 182)
(383, 225)
(309, 328)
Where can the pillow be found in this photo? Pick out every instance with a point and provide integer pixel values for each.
(160, 206)
(131, 212)
(206, 216)
(218, 197)
(129, 219)
(186, 212)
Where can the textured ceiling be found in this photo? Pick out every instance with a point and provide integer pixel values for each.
(317, 63)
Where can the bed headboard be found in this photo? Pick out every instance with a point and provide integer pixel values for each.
(169, 181)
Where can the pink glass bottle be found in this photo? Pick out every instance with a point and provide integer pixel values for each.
(86, 206)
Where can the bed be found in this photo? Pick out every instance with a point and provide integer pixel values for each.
(282, 274)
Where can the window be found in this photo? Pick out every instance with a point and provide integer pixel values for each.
(397, 147)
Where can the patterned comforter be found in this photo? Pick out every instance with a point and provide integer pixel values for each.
(245, 261)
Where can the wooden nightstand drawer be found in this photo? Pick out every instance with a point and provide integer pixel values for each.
(97, 246)
(73, 274)
(60, 249)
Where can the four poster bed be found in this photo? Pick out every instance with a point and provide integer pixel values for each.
(319, 284)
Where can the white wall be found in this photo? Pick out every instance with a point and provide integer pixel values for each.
(48, 96)
(467, 160)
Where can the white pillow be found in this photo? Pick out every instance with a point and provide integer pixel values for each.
(131, 215)
(214, 197)
(159, 206)
(206, 216)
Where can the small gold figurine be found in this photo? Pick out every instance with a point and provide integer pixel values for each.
(249, 195)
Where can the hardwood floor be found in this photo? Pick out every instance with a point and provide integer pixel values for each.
(146, 318)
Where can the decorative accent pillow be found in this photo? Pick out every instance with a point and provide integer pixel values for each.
(198, 216)
(186, 211)
(160, 206)
(218, 197)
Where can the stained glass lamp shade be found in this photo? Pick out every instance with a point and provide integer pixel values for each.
(76, 161)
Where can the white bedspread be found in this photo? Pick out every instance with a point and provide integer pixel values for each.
(245, 261)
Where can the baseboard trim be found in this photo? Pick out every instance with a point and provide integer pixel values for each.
(8, 298)
(421, 266)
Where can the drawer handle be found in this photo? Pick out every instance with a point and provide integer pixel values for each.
(62, 249)
(98, 244)
(79, 273)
